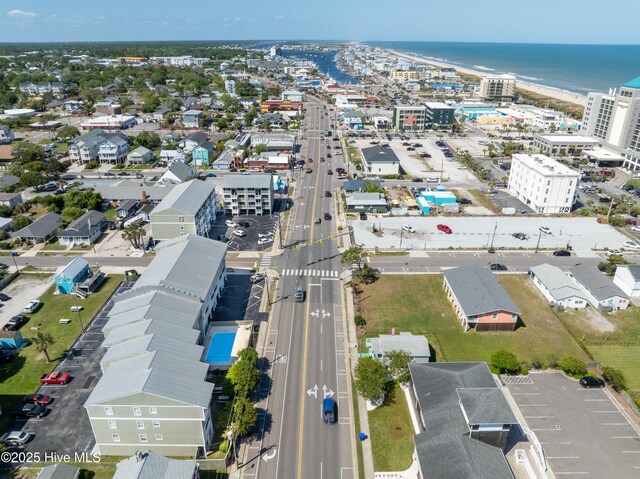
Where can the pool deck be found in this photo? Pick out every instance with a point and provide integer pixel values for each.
(242, 330)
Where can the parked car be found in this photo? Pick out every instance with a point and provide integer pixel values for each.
(15, 322)
(497, 267)
(32, 306)
(55, 377)
(417, 180)
(445, 229)
(631, 245)
(612, 252)
(3, 266)
(432, 179)
(363, 215)
(230, 224)
(256, 278)
(244, 224)
(635, 228)
(465, 201)
(545, 230)
(42, 399)
(263, 241)
(239, 232)
(591, 382)
(4, 297)
(520, 236)
(408, 229)
(562, 252)
(265, 234)
(29, 410)
(15, 438)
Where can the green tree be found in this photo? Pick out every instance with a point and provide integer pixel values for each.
(398, 364)
(43, 340)
(33, 179)
(244, 373)
(5, 211)
(617, 220)
(27, 152)
(54, 168)
(573, 367)
(353, 255)
(244, 416)
(69, 214)
(20, 222)
(87, 200)
(259, 149)
(371, 378)
(148, 139)
(505, 362)
(367, 274)
(615, 377)
(134, 234)
(67, 132)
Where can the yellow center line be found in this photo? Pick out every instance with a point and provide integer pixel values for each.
(306, 324)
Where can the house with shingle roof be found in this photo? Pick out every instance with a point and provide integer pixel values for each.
(557, 288)
(602, 293)
(479, 299)
(41, 229)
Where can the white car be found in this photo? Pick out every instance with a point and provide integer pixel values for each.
(408, 229)
(635, 228)
(462, 167)
(231, 224)
(546, 230)
(611, 252)
(265, 234)
(32, 306)
(432, 179)
(265, 241)
(631, 245)
(239, 232)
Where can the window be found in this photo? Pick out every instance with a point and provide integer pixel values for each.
(137, 411)
(495, 315)
(108, 410)
(143, 438)
(115, 437)
(112, 424)
(180, 218)
(153, 410)
(155, 423)
(159, 437)
(140, 424)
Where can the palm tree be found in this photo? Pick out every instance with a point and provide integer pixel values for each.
(134, 234)
(43, 341)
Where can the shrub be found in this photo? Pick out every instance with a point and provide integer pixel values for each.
(553, 362)
(359, 320)
(615, 377)
(536, 363)
(524, 371)
(19, 223)
(573, 367)
(491, 250)
(224, 446)
(506, 362)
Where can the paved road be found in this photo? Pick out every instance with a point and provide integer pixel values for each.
(306, 341)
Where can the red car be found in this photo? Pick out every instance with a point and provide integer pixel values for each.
(310, 160)
(55, 378)
(445, 229)
(42, 399)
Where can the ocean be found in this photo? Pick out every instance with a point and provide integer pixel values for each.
(577, 68)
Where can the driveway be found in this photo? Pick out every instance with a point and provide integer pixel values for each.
(582, 431)
(22, 290)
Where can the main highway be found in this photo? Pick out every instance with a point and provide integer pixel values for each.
(306, 343)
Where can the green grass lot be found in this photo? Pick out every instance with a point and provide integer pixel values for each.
(418, 304)
(624, 358)
(392, 434)
(110, 214)
(22, 375)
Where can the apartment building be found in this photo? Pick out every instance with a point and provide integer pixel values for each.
(543, 183)
(153, 393)
(114, 149)
(438, 113)
(85, 148)
(41, 88)
(497, 88)
(190, 208)
(574, 145)
(405, 75)
(614, 118)
(182, 61)
(274, 141)
(409, 117)
(248, 194)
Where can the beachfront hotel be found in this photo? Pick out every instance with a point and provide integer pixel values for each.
(614, 118)
(497, 87)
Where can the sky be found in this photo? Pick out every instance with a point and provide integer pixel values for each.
(508, 21)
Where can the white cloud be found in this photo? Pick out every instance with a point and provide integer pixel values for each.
(21, 13)
(237, 19)
(279, 17)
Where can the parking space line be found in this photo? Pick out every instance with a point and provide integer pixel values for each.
(563, 457)
(614, 424)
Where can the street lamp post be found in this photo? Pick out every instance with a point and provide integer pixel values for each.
(13, 256)
(75, 302)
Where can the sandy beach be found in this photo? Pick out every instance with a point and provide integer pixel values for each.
(548, 91)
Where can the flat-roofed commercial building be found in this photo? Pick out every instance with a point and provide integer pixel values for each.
(497, 87)
(248, 194)
(409, 117)
(543, 183)
(438, 113)
(563, 144)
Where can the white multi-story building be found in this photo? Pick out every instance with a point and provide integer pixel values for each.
(183, 61)
(497, 87)
(114, 149)
(110, 148)
(542, 183)
(614, 119)
(230, 87)
(248, 194)
(563, 144)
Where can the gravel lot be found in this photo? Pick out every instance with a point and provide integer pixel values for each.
(22, 290)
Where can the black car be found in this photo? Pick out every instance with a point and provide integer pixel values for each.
(562, 252)
(327, 194)
(244, 224)
(327, 216)
(497, 267)
(329, 172)
(520, 236)
(4, 297)
(3, 266)
(465, 201)
(363, 215)
(15, 323)
(417, 180)
(591, 382)
(29, 410)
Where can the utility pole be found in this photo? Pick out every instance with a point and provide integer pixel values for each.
(401, 232)
(538, 243)
(13, 256)
(75, 302)
(494, 234)
(610, 206)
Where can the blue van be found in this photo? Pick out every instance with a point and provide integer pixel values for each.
(329, 410)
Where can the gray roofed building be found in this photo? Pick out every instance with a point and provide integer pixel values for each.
(8, 180)
(417, 346)
(373, 202)
(379, 160)
(627, 278)
(601, 292)
(557, 287)
(178, 172)
(479, 299)
(247, 181)
(248, 194)
(453, 401)
(149, 465)
(224, 161)
(84, 230)
(128, 190)
(186, 197)
(41, 229)
(59, 470)
(10, 199)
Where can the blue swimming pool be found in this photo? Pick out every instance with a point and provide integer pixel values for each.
(220, 347)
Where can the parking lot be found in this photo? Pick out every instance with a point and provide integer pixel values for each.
(240, 299)
(249, 242)
(582, 431)
(22, 290)
(582, 234)
(72, 432)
